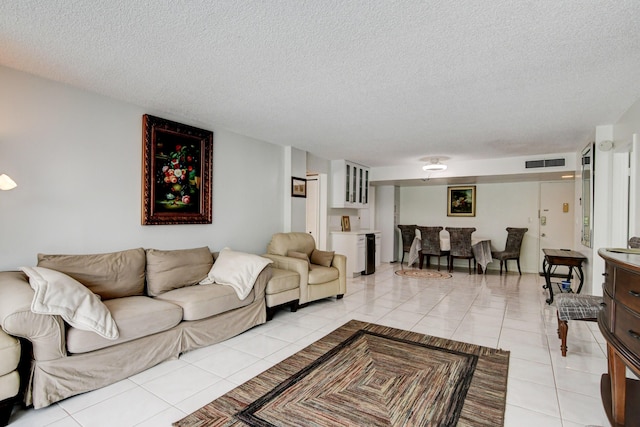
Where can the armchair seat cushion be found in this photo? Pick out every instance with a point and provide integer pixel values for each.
(319, 274)
(505, 255)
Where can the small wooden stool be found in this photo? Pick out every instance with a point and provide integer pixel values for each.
(575, 307)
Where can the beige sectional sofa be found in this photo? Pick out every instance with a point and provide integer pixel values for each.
(156, 309)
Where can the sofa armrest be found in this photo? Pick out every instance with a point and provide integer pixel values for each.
(46, 332)
(260, 285)
(340, 262)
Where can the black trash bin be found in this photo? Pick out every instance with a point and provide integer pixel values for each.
(370, 254)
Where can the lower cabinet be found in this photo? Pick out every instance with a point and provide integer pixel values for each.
(354, 246)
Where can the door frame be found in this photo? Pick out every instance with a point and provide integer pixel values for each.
(571, 218)
(321, 208)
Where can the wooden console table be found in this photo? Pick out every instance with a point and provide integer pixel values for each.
(571, 259)
(619, 323)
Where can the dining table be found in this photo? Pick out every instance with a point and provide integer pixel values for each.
(481, 247)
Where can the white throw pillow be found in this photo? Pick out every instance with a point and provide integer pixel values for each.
(57, 293)
(236, 269)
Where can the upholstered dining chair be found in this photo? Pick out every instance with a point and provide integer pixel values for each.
(512, 248)
(408, 233)
(431, 244)
(634, 243)
(460, 238)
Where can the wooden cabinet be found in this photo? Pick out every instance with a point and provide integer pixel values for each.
(619, 322)
(350, 184)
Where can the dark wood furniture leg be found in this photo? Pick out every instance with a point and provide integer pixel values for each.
(617, 370)
(563, 329)
(546, 268)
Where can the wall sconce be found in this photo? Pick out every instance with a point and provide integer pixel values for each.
(6, 183)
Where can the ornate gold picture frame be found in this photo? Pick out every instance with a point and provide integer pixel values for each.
(177, 169)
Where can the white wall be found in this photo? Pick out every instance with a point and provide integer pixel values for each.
(385, 220)
(77, 157)
(498, 206)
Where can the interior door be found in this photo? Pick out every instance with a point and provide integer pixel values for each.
(313, 207)
(556, 218)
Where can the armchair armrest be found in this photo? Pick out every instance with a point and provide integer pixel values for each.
(46, 332)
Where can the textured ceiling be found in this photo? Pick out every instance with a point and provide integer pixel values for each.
(381, 82)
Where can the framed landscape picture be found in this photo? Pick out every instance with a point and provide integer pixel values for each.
(177, 168)
(298, 187)
(461, 201)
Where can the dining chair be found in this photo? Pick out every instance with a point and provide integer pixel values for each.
(460, 238)
(634, 243)
(408, 233)
(431, 244)
(512, 248)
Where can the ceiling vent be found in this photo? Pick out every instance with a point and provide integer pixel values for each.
(543, 163)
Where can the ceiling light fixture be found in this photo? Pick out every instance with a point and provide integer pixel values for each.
(435, 165)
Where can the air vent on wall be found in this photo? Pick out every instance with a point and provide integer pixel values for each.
(543, 163)
(534, 164)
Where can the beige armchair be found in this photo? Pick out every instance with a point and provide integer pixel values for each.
(297, 252)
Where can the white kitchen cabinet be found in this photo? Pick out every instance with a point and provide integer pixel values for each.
(350, 185)
(353, 246)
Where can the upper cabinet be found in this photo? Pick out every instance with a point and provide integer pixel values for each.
(350, 185)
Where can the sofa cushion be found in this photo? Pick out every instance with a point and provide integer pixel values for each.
(282, 280)
(168, 270)
(110, 275)
(200, 302)
(299, 255)
(9, 385)
(58, 294)
(238, 270)
(319, 274)
(323, 258)
(136, 316)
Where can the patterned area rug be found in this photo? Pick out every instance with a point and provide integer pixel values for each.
(423, 274)
(363, 374)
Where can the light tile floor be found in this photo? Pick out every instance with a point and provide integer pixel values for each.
(508, 312)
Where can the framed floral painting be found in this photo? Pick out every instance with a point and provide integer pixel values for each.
(177, 168)
(461, 201)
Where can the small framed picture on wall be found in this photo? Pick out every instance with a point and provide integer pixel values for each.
(461, 201)
(298, 187)
(346, 224)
